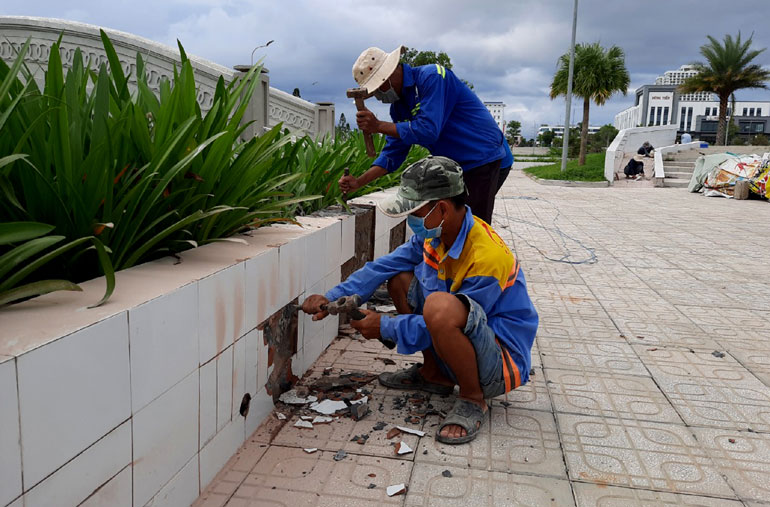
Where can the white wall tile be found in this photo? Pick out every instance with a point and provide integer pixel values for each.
(261, 407)
(216, 453)
(239, 376)
(208, 401)
(333, 246)
(224, 387)
(262, 287)
(381, 246)
(312, 350)
(163, 335)
(116, 493)
(291, 270)
(307, 326)
(71, 393)
(315, 258)
(263, 370)
(250, 377)
(10, 450)
(222, 308)
(348, 243)
(75, 481)
(181, 490)
(165, 437)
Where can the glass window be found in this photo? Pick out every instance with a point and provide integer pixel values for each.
(689, 118)
(681, 118)
(651, 119)
(708, 126)
(729, 113)
(759, 111)
(657, 120)
(751, 112)
(759, 127)
(665, 116)
(745, 111)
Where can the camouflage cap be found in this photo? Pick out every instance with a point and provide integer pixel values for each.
(429, 179)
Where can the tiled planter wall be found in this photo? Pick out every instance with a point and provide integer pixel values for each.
(138, 402)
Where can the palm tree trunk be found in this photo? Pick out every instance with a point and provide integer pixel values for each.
(583, 132)
(722, 120)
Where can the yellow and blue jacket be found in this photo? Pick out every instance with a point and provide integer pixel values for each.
(479, 265)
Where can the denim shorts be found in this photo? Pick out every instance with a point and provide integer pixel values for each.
(489, 357)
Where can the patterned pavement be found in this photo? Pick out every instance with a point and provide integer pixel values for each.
(651, 373)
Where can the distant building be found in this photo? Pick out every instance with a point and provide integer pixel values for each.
(696, 113)
(497, 109)
(558, 130)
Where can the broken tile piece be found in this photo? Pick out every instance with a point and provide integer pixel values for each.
(403, 448)
(329, 407)
(446, 473)
(396, 489)
(321, 419)
(310, 450)
(392, 433)
(341, 454)
(306, 417)
(280, 416)
(410, 430)
(303, 424)
(291, 397)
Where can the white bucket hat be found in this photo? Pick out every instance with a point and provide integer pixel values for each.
(374, 66)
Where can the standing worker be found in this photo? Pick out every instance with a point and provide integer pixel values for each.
(431, 107)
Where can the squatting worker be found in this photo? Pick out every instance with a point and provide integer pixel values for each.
(460, 294)
(431, 107)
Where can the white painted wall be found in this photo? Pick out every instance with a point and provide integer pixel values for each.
(629, 140)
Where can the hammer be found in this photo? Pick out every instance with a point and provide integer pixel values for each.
(359, 94)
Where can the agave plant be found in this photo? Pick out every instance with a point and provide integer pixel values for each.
(144, 175)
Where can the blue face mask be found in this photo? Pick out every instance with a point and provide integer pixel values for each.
(417, 225)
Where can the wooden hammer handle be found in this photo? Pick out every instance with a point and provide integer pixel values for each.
(367, 137)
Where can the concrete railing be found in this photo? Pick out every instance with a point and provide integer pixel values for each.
(141, 401)
(660, 154)
(269, 104)
(628, 141)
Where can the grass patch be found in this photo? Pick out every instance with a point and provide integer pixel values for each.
(592, 171)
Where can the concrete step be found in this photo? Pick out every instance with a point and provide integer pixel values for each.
(676, 182)
(678, 175)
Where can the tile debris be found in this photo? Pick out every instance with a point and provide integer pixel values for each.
(419, 433)
(341, 454)
(310, 450)
(303, 424)
(396, 489)
(403, 448)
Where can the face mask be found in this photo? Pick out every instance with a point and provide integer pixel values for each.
(387, 97)
(417, 225)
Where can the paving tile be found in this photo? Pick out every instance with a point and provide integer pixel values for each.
(430, 486)
(649, 332)
(709, 391)
(743, 457)
(609, 395)
(589, 356)
(533, 395)
(316, 479)
(339, 433)
(594, 495)
(510, 440)
(645, 455)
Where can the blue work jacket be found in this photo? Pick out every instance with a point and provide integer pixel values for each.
(479, 265)
(438, 111)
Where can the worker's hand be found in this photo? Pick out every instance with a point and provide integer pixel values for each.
(349, 184)
(367, 122)
(369, 326)
(312, 306)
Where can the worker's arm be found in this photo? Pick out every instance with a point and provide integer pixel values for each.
(437, 100)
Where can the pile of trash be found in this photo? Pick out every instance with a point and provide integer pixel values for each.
(717, 174)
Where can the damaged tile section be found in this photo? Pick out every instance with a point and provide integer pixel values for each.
(280, 333)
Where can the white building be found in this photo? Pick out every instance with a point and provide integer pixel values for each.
(558, 130)
(497, 109)
(677, 77)
(662, 104)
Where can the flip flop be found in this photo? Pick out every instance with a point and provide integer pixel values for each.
(468, 416)
(396, 380)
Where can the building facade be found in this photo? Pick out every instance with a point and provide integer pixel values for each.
(497, 110)
(558, 130)
(695, 113)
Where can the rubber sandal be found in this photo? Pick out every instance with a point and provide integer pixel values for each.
(465, 414)
(395, 380)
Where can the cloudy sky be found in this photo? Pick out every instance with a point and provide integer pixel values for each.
(507, 48)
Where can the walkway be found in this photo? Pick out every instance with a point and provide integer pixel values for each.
(650, 382)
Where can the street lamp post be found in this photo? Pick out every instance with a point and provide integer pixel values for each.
(565, 137)
(259, 47)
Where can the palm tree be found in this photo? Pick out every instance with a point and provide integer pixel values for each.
(728, 68)
(598, 75)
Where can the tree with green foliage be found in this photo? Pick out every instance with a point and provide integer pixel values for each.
(546, 138)
(602, 139)
(598, 74)
(342, 130)
(727, 68)
(415, 58)
(760, 140)
(512, 130)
